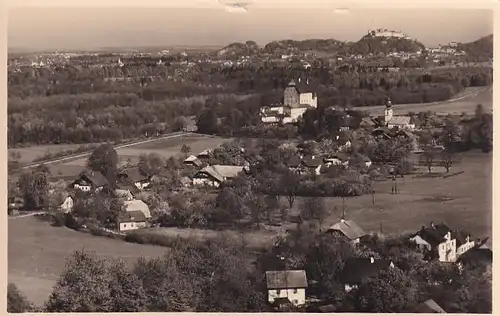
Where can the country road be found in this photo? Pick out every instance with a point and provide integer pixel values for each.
(84, 154)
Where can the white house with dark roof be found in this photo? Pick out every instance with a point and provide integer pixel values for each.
(131, 221)
(89, 180)
(289, 284)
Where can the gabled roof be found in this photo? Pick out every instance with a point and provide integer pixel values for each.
(206, 152)
(133, 216)
(194, 160)
(341, 156)
(349, 228)
(357, 269)
(434, 235)
(137, 205)
(228, 171)
(400, 120)
(134, 175)
(96, 178)
(312, 162)
(429, 306)
(302, 86)
(294, 161)
(210, 171)
(460, 236)
(286, 279)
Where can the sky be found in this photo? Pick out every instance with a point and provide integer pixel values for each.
(59, 27)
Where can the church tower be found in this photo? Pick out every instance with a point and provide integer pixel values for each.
(388, 111)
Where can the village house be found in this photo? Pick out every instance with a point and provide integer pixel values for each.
(357, 269)
(193, 161)
(215, 175)
(348, 229)
(338, 159)
(15, 204)
(290, 284)
(205, 154)
(131, 221)
(312, 164)
(89, 180)
(137, 206)
(391, 121)
(135, 177)
(441, 242)
(297, 98)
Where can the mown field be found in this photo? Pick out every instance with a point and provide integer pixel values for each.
(165, 148)
(468, 104)
(37, 253)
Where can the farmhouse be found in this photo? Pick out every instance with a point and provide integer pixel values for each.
(357, 269)
(136, 177)
(215, 175)
(439, 240)
(348, 229)
(205, 154)
(313, 164)
(290, 284)
(89, 180)
(193, 161)
(137, 206)
(131, 220)
(338, 159)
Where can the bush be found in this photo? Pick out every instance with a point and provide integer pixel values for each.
(150, 238)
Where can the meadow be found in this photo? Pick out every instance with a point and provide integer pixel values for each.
(37, 252)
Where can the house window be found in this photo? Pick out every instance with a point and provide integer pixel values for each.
(295, 291)
(278, 292)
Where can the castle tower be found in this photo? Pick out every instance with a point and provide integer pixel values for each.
(388, 111)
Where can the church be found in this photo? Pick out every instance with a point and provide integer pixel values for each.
(399, 121)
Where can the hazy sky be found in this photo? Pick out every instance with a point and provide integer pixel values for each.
(76, 28)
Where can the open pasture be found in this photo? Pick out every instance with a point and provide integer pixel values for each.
(37, 253)
(468, 104)
(462, 201)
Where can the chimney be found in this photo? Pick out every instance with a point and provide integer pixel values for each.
(342, 220)
(372, 260)
(307, 81)
(432, 225)
(299, 79)
(313, 157)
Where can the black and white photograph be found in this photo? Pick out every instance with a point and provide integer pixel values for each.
(237, 156)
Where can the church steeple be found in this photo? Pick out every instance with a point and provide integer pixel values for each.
(388, 111)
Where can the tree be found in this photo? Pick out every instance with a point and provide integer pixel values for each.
(289, 182)
(427, 159)
(92, 284)
(313, 208)
(34, 188)
(185, 149)
(17, 301)
(207, 122)
(448, 159)
(391, 291)
(151, 164)
(104, 159)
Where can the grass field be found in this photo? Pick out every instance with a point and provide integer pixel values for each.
(462, 201)
(28, 154)
(467, 105)
(165, 148)
(37, 253)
